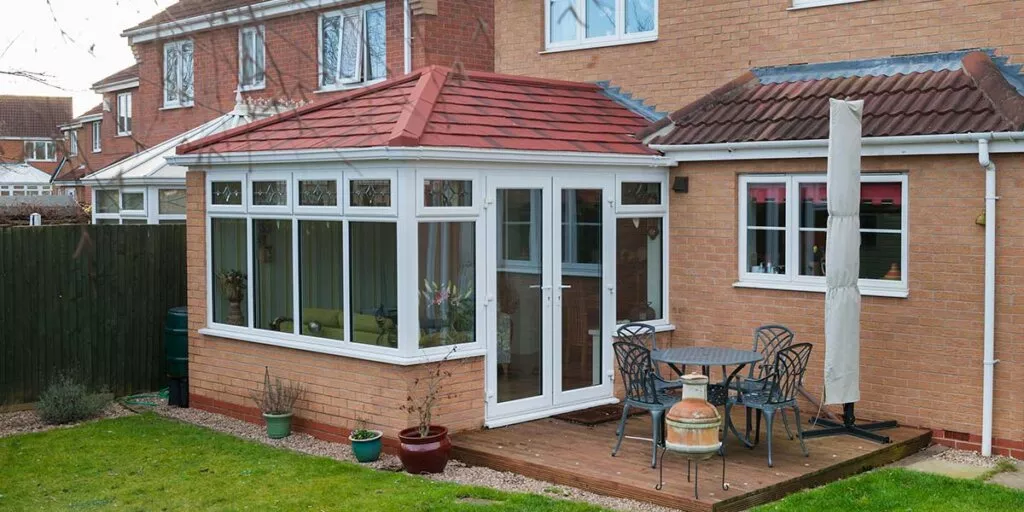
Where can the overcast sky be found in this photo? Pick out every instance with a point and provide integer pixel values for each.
(31, 39)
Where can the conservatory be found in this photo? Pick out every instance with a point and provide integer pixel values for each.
(514, 219)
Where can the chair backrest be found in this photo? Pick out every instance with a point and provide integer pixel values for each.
(788, 372)
(639, 333)
(637, 376)
(768, 341)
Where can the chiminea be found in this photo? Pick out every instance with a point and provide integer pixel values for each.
(693, 422)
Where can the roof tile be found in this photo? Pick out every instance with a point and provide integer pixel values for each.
(33, 116)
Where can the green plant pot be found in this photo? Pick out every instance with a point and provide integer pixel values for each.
(367, 450)
(279, 426)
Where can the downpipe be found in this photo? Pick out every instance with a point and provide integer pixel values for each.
(989, 360)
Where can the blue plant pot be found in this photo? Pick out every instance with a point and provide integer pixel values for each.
(367, 450)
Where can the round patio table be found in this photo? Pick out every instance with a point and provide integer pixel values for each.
(679, 358)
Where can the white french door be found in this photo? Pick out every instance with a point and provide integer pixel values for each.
(551, 307)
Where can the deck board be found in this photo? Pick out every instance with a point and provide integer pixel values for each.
(580, 456)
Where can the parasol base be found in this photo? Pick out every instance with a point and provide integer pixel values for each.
(850, 427)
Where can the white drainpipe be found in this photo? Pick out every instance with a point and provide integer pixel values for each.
(407, 35)
(990, 295)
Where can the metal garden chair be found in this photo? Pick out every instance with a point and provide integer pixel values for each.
(768, 340)
(644, 335)
(640, 381)
(778, 392)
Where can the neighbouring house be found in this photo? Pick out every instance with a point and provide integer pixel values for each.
(30, 145)
(198, 60)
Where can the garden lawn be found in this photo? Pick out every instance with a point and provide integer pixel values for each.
(150, 463)
(902, 490)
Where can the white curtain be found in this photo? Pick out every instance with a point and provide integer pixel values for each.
(842, 254)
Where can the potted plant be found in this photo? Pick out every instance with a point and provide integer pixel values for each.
(232, 282)
(366, 443)
(276, 401)
(425, 448)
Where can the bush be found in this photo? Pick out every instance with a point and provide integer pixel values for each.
(66, 400)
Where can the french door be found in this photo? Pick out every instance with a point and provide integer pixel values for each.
(550, 310)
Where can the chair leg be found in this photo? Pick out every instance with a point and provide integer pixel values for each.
(769, 418)
(785, 423)
(757, 428)
(800, 430)
(658, 425)
(621, 432)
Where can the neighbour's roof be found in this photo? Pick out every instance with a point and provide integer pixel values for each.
(33, 116)
(71, 174)
(98, 109)
(128, 73)
(190, 8)
(966, 91)
(22, 174)
(438, 107)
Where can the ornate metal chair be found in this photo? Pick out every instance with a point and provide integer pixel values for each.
(644, 335)
(778, 392)
(640, 382)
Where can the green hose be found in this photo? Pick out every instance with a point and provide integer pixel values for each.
(147, 399)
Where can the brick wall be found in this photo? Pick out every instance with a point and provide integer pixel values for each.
(460, 34)
(341, 391)
(14, 151)
(921, 356)
(702, 44)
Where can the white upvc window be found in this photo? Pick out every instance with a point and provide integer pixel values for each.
(353, 47)
(179, 90)
(124, 113)
(573, 24)
(641, 248)
(252, 68)
(40, 151)
(97, 144)
(782, 233)
(72, 142)
(25, 190)
(806, 4)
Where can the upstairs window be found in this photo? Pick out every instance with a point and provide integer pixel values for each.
(124, 113)
(72, 142)
(96, 137)
(178, 77)
(592, 23)
(40, 151)
(352, 46)
(251, 59)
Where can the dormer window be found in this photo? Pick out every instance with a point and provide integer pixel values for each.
(178, 74)
(352, 46)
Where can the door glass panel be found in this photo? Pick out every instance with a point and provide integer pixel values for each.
(520, 353)
(581, 288)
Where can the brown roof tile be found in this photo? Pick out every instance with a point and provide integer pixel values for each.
(125, 74)
(33, 116)
(190, 8)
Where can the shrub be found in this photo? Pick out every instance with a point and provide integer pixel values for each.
(66, 400)
(276, 397)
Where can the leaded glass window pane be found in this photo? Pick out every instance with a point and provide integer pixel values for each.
(447, 193)
(269, 193)
(318, 193)
(370, 193)
(227, 192)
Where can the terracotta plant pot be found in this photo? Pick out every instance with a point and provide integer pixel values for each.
(424, 454)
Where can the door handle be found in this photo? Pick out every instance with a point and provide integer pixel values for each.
(564, 286)
(537, 286)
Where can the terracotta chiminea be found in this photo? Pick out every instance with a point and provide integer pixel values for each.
(693, 422)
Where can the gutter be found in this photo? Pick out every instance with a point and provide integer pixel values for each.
(903, 145)
(989, 361)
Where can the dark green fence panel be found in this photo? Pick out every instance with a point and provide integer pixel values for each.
(91, 300)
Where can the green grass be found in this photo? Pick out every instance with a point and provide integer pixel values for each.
(150, 463)
(902, 490)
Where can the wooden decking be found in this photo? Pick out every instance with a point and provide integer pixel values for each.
(568, 454)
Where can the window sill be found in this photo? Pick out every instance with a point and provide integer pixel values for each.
(176, 107)
(813, 288)
(128, 134)
(298, 343)
(821, 3)
(251, 88)
(347, 87)
(603, 44)
(97, 151)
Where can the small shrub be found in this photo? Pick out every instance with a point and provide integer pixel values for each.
(66, 400)
(276, 397)
(363, 434)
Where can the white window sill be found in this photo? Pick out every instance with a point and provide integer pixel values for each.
(347, 87)
(799, 6)
(175, 107)
(128, 134)
(299, 343)
(97, 151)
(40, 161)
(601, 44)
(865, 291)
(251, 88)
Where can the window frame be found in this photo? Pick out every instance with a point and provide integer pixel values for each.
(72, 142)
(97, 136)
(361, 79)
(124, 111)
(371, 175)
(423, 176)
(300, 176)
(582, 41)
(179, 76)
(808, 4)
(259, 33)
(791, 279)
(49, 147)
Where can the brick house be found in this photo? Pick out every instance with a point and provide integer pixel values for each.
(30, 143)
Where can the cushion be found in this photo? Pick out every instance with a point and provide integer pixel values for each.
(326, 317)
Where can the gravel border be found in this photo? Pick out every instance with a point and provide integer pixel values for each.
(969, 458)
(27, 421)
(456, 472)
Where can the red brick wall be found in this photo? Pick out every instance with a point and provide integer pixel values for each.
(921, 356)
(461, 34)
(702, 44)
(14, 151)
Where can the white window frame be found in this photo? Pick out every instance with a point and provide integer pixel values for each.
(423, 176)
(791, 279)
(360, 79)
(647, 211)
(124, 112)
(177, 102)
(49, 147)
(155, 217)
(72, 142)
(96, 214)
(97, 137)
(300, 176)
(227, 176)
(807, 4)
(582, 41)
(260, 45)
(371, 211)
(263, 177)
(133, 214)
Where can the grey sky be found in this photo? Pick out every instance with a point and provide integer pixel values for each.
(31, 39)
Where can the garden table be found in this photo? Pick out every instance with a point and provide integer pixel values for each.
(679, 358)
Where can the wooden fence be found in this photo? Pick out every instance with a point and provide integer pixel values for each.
(91, 300)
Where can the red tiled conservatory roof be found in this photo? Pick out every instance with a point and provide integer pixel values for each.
(956, 92)
(438, 107)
